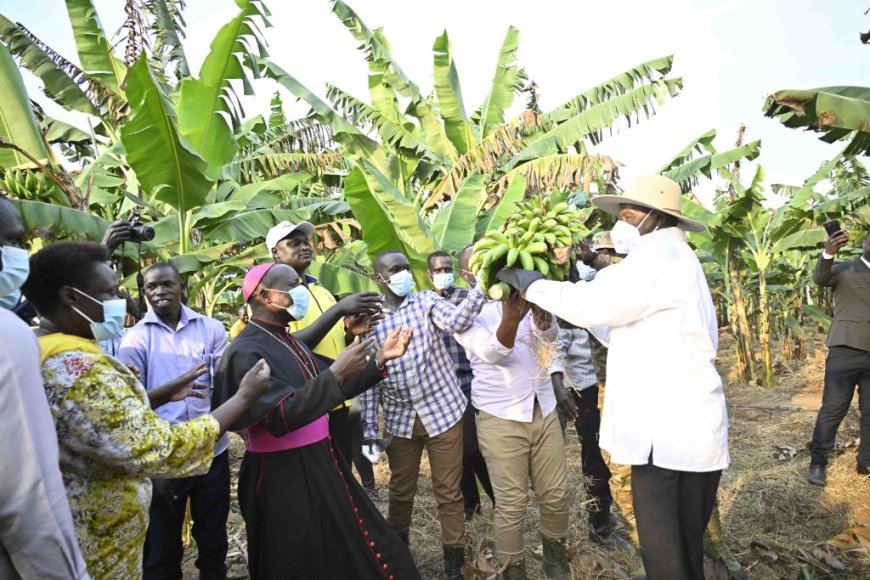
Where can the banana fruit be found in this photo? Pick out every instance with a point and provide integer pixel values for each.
(528, 239)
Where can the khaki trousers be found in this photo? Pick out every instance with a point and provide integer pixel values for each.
(445, 463)
(515, 454)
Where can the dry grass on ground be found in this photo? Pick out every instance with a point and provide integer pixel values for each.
(777, 525)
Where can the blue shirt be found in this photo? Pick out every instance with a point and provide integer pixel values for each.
(163, 354)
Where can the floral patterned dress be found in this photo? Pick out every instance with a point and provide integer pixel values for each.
(110, 444)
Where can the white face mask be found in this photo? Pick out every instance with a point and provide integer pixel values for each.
(624, 235)
(585, 272)
(442, 281)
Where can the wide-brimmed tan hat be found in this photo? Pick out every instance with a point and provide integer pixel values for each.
(653, 192)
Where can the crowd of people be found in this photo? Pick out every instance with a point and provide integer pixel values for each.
(116, 430)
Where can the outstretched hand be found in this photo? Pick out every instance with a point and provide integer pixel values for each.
(353, 359)
(255, 383)
(395, 345)
(362, 303)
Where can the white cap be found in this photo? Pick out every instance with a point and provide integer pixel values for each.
(284, 229)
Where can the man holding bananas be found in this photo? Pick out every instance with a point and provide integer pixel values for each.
(664, 411)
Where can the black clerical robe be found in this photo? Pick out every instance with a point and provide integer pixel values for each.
(305, 514)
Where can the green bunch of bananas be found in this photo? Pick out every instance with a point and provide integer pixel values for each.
(24, 184)
(528, 240)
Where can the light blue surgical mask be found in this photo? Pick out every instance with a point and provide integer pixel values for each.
(402, 283)
(16, 267)
(300, 296)
(114, 312)
(443, 281)
(10, 301)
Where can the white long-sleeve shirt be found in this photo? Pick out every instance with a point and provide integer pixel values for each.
(664, 395)
(37, 537)
(507, 380)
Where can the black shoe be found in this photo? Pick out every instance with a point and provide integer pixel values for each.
(863, 469)
(471, 511)
(454, 558)
(609, 539)
(816, 475)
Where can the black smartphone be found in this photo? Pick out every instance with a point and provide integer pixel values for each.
(832, 227)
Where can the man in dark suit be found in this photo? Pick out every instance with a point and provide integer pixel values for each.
(848, 362)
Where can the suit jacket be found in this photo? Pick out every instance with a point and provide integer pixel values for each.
(851, 283)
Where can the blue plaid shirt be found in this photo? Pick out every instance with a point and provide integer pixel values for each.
(457, 352)
(423, 381)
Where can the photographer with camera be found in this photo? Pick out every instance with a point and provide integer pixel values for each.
(129, 230)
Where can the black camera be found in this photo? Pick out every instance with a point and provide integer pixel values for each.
(139, 232)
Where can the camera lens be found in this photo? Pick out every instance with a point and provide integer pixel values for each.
(143, 233)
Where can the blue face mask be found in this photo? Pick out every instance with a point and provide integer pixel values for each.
(300, 296)
(16, 267)
(114, 312)
(443, 281)
(402, 283)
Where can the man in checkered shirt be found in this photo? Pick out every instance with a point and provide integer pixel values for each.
(440, 271)
(423, 403)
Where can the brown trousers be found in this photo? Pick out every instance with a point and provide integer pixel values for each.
(517, 453)
(445, 463)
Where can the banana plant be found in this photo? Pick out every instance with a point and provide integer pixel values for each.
(839, 113)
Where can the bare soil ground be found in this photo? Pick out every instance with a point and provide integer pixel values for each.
(777, 525)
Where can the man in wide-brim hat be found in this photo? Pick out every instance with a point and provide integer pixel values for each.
(664, 411)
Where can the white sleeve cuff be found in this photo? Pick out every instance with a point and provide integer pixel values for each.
(827, 256)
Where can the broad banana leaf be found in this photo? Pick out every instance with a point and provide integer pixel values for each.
(453, 228)
(95, 51)
(201, 257)
(341, 281)
(168, 29)
(17, 123)
(250, 225)
(689, 173)
(393, 132)
(449, 93)
(839, 112)
(288, 183)
(508, 78)
(356, 144)
(382, 66)
(389, 222)
(503, 210)
(818, 315)
(166, 165)
(702, 144)
(73, 223)
(590, 122)
(205, 104)
(61, 79)
(803, 239)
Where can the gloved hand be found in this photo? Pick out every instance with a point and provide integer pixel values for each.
(518, 278)
(373, 449)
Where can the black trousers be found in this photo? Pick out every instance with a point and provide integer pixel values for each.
(672, 509)
(209, 507)
(339, 432)
(588, 426)
(364, 467)
(473, 464)
(844, 368)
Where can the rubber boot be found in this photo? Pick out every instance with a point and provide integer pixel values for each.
(557, 566)
(454, 558)
(716, 548)
(516, 570)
